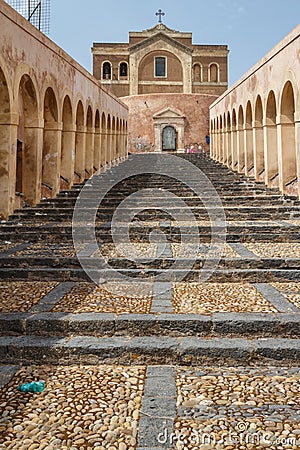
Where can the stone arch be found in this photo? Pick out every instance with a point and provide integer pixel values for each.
(221, 136)
(259, 163)
(288, 139)
(225, 153)
(97, 141)
(123, 139)
(7, 149)
(67, 145)
(197, 73)
(234, 145)
(109, 140)
(240, 137)
(51, 146)
(89, 145)
(249, 153)
(118, 138)
(103, 139)
(29, 142)
(113, 139)
(213, 73)
(229, 141)
(271, 141)
(80, 143)
(106, 70)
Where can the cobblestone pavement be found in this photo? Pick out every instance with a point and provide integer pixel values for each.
(20, 296)
(207, 298)
(81, 407)
(85, 297)
(137, 298)
(151, 407)
(276, 250)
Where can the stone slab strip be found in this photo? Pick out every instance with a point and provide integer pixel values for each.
(164, 250)
(89, 250)
(158, 410)
(6, 374)
(15, 249)
(52, 298)
(162, 298)
(276, 298)
(243, 251)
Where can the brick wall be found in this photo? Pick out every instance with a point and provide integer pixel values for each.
(142, 108)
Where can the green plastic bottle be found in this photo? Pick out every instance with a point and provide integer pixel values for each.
(34, 386)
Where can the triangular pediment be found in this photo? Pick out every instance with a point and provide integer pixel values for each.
(164, 38)
(161, 27)
(169, 113)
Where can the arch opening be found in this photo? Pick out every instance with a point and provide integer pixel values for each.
(29, 143)
(288, 141)
(51, 146)
(271, 142)
(259, 160)
(67, 146)
(80, 144)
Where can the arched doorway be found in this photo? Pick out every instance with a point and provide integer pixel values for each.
(169, 139)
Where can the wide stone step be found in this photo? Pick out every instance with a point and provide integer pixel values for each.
(165, 263)
(108, 325)
(59, 273)
(144, 350)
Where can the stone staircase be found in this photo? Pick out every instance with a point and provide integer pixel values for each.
(246, 311)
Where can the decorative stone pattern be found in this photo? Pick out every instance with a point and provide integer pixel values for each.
(240, 408)
(129, 251)
(20, 296)
(48, 250)
(207, 298)
(81, 408)
(188, 250)
(86, 297)
(275, 250)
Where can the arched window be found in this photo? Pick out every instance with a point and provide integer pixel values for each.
(213, 73)
(123, 69)
(106, 71)
(197, 73)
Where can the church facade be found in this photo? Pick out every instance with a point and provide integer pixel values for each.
(160, 60)
(167, 82)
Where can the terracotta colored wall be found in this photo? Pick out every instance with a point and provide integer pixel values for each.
(142, 108)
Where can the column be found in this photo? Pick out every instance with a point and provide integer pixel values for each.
(8, 153)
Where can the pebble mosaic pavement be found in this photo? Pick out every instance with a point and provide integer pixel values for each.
(85, 297)
(20, 296)
(100, 407)
(207, 298)
(276, 250)
(83, 407)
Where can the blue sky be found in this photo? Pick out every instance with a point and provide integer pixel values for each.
(249, 28)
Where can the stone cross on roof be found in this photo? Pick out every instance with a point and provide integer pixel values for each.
(160, 14)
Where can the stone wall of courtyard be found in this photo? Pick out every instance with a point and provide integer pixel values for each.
(57, 125)
(255, 125)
